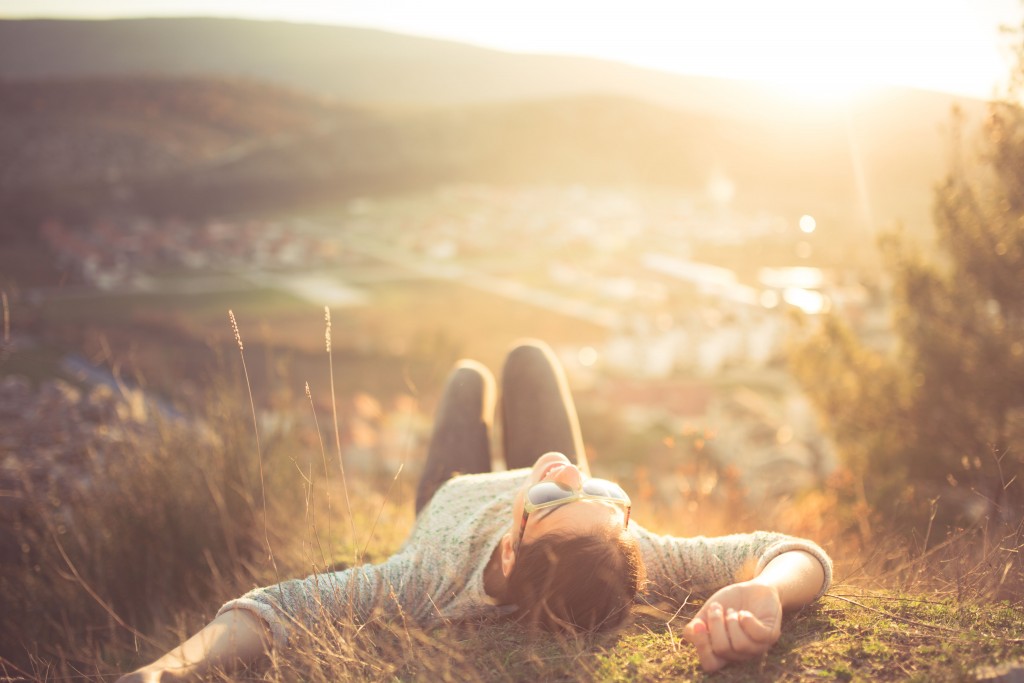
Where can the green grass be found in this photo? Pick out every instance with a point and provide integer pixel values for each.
(875, 636)
(119, 309)
(893, 636)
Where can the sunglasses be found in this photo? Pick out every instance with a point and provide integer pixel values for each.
(549, 494)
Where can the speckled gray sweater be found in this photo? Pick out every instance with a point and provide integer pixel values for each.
(438, 572)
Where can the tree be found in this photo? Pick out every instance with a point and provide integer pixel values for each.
(943, 416)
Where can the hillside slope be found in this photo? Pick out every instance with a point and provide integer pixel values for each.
(365, 65)
(217, 144)
(453, 111)
(61, 132)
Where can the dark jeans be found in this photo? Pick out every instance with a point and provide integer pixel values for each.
(537, 416)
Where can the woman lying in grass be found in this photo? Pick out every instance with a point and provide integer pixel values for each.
(543, 543)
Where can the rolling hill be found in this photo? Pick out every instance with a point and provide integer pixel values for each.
(220, 111)
(353, 64)
(57, 132)
(366, 65)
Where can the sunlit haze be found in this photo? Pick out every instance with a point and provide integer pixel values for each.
(818, 47)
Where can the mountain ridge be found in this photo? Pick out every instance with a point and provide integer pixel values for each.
(442, 111)
(382, 66)
(219, 144)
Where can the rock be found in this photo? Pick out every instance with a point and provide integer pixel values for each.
(1008, 672)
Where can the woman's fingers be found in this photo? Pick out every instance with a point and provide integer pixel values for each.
(747, 635)
(756, 629)
(697, 633)
(722, 635)
(720, 642)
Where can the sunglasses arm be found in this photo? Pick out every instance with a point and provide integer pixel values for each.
(522, 530)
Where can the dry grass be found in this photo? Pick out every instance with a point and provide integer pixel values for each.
(101, 603)
(140, 553)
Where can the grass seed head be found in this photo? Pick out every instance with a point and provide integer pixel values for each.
(234, 328)
(327, 334)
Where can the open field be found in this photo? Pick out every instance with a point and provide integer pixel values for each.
(415, 328)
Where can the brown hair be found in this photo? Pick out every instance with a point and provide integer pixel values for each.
(567, 582)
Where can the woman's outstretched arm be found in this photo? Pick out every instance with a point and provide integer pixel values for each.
(235, 638)
(744, 620)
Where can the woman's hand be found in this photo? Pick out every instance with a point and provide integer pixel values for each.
(743, 621)
(739, 622)
(234, 638)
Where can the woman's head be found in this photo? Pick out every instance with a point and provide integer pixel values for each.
(564, 581)
(574, 567)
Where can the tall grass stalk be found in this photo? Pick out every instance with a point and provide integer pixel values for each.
(256, 431)
(337, 435)
(383, 503)
(327, 481)
(7, 318)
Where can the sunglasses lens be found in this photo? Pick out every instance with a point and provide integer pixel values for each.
(547, 492)
(605, 488)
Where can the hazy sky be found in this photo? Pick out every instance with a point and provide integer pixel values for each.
(826, 46)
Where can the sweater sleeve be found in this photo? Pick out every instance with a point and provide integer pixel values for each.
(680, 567)
(355, 595)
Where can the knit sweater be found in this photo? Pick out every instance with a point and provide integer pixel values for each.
(438, 573)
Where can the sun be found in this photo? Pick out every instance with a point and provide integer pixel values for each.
(817, 72)
(816, 89)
